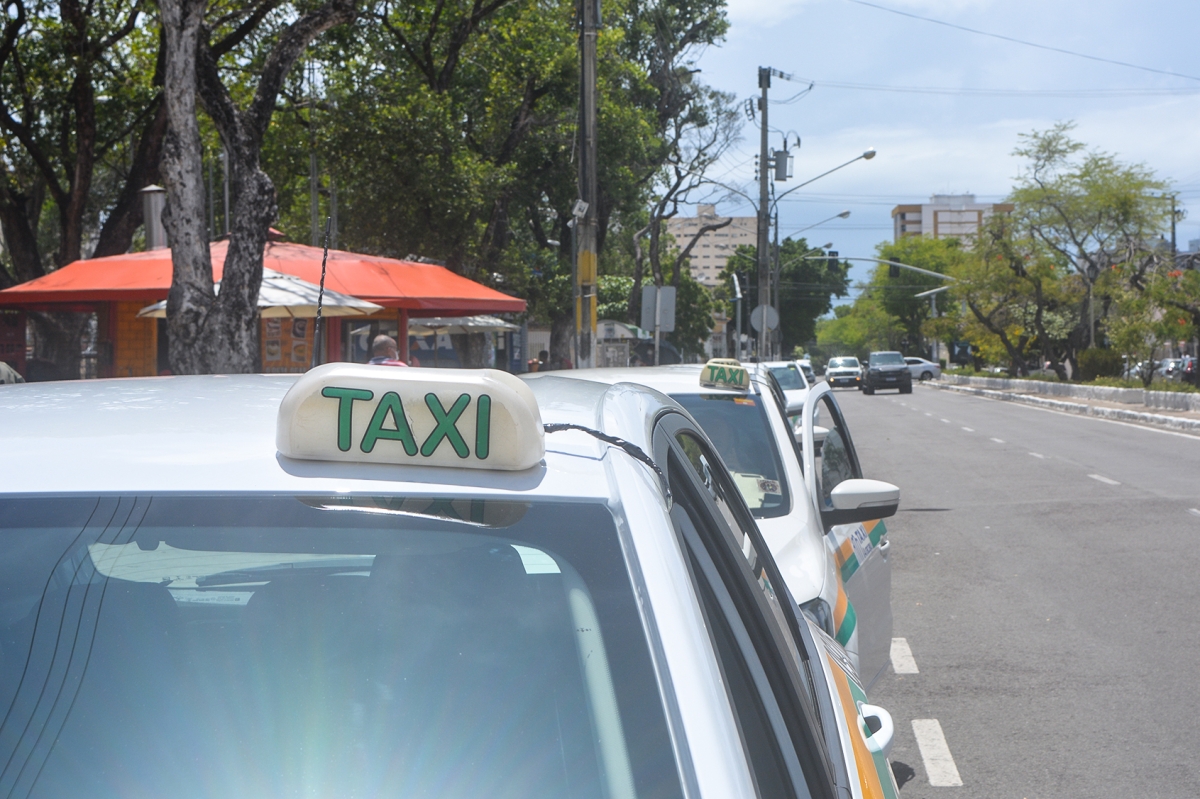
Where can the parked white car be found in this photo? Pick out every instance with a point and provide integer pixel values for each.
(837, 571)
(366, 582)
(922, 369)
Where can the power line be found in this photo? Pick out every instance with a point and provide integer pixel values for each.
(976, 92)
(1022, 41)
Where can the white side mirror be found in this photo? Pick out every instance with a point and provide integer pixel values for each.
(863, 493)
(882, 732)
(861, 500)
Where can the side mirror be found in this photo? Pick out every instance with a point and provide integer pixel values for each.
(861, 500)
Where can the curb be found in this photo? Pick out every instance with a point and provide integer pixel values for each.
(1079, 408)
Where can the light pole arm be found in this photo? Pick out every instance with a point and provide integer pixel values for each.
(902, 266)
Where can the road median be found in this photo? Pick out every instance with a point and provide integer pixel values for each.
(1182, 419)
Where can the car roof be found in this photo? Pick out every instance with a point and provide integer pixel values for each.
(217, 434)
(669, 380)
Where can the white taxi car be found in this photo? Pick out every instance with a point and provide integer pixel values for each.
(742, 411)
(373, 582)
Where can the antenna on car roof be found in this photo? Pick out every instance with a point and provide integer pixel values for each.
(316, 358)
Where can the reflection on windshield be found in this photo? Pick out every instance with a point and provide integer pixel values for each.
(888, 358)
(843, 363)
(788, 377)
(269, 647)
(738, 428)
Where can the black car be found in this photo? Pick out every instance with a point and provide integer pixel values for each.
(887, 370)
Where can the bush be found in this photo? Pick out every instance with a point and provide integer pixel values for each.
(1099, 362)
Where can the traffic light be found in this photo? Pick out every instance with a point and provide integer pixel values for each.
(833, 260)
(893, 270)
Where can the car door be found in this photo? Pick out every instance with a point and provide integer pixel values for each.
(766, 665)
(860, 550)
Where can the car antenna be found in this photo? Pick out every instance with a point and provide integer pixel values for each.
(316, 359)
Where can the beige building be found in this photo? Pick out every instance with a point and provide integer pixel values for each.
(714, 248)
(944, 216)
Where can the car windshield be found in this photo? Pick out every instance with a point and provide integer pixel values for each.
(311, 646)
(739, 429)
(843, 363)
(886, 358)
(789, 377)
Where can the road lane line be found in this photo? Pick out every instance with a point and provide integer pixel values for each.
(939, 763)
(902, 658)
(929, 414)
(972, 430)
(1038, 455)
(947, 421)
(998, 440)
(1103, 479)
(1194, 511)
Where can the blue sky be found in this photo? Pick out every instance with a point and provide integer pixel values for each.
(952, 143)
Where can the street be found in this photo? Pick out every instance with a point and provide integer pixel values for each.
(1044, 581)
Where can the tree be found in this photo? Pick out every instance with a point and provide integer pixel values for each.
(897, 295)
(211, 332)
(858, 330)
(1087, 209)
(75, 86)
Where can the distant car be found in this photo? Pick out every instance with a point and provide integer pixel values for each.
(1189, 371)
(806, 366)
(845, 371)
(922, 369)
(1169, 368)
(887, 370)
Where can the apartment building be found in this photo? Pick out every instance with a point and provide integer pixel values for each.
(944, 216)
(714, 248)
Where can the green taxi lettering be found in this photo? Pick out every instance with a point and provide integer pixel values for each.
(389, 403)
(446, 421)
(345, 398)
(390, 423)
(483, 426)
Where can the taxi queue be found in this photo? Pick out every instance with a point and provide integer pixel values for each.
(376, 582)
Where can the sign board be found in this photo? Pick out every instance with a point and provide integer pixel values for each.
(756, 317)
(612, 353)
(666, 319)
(457, 418)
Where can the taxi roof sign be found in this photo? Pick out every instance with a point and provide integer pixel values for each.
(473, 419)
(725, 373)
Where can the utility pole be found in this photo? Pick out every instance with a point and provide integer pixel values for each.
(587, 218)
(764, 219)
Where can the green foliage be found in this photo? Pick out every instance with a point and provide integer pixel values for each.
(1100, 362)
(807, 286)
(693, 316)
(858, 330)
(613, 299)
(896, 294)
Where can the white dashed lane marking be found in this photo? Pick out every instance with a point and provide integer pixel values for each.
(1103, 479)
(1194, 511)
(939, 763)
(947, 421)
(998, 440)
(902, 658)
(1038, 455)
(972, 430)
(929, 414)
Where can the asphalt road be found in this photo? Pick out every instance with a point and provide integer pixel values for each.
(1046, 577)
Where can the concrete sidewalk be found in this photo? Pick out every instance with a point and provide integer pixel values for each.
(1188, 420)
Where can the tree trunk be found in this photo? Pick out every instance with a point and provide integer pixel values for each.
(562, 334)
(471, 349)
(193, 323)
(219, 334)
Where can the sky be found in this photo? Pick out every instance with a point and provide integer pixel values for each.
(958, 141)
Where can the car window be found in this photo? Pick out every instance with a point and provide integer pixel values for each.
(836, 460)
(323, 646)
(778, 725)
(789, 377)
(843, 363)
(912, 361)
(739, 428)
(886, 358)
